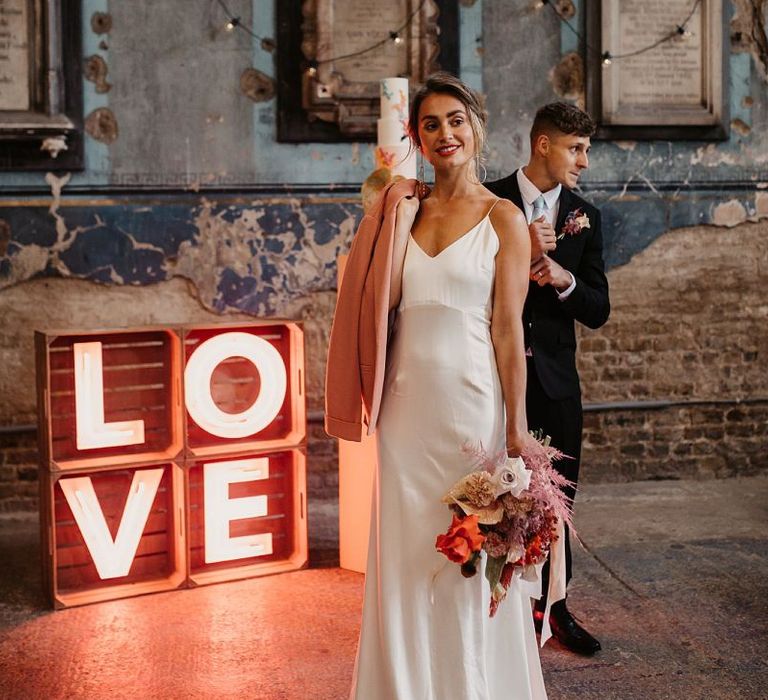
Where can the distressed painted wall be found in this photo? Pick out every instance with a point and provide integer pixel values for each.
(516, 34)
(189, 210)
(644, 188)
(240, 255)
(180, 116)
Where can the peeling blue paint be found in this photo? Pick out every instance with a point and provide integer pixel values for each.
(279, 217)
(234, 291)
(259, 256)
(273, 245)
(29, 226)
(632, 223)
(97, 155)
(252, 257)
(741, 83)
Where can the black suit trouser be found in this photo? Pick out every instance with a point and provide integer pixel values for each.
(562, 420)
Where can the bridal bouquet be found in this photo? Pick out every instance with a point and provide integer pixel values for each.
(507, 507)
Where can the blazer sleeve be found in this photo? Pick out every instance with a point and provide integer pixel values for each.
(589, 303)
(343, 384)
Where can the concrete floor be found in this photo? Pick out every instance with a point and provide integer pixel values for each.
(673, 579)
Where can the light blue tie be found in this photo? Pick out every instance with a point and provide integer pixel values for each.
(540, 207)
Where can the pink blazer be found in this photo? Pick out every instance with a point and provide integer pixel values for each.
(354, 377)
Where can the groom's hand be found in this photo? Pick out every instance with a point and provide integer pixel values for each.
(547, 271)
(543, 238)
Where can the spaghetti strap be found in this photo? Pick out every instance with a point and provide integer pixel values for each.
(498, 199)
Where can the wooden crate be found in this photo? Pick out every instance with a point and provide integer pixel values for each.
(160, 562)
(236, 382)
(143, 379)
(285, 519)
(142, 369)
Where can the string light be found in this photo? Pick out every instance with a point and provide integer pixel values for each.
(235, 22)
(395, 36)
(680, 31)
(392, 36)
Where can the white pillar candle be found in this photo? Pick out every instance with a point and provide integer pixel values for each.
(393, 147)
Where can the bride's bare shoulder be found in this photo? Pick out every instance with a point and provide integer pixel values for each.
(506, 206)
(508, 219)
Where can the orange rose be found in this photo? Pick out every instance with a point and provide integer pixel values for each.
(462, 539)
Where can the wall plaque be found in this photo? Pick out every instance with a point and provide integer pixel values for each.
(15, 83)
(333, 53)
(40, 88)
(674, 90)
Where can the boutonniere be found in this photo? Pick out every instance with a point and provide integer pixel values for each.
(574, 223)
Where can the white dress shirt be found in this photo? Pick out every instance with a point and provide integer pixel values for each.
(530, 193)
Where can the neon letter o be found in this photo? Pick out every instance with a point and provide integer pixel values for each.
(197, 384)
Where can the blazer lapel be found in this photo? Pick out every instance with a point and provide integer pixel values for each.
(564, 210)
(565, 206)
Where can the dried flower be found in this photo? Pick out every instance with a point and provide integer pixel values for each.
(495, 544)
(574, 223)
(479, 490)
(509, 508)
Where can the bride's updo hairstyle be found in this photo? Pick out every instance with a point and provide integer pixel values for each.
(447, 84)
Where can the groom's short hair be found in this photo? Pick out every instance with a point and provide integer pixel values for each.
(562, 117)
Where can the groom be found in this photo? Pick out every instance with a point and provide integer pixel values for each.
(567, 284)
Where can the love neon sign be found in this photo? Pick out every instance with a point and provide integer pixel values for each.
(170, 457)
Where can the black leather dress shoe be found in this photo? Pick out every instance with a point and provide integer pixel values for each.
(567, 631)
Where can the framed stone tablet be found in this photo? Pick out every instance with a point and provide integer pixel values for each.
(40, 88)
(333, 53)
(656, 69)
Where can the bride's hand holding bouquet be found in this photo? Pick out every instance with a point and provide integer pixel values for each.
(509, 508)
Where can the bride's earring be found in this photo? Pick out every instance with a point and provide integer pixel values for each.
(481, 167)
(480, 171)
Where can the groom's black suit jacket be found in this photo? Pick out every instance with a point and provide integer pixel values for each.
(548, 322)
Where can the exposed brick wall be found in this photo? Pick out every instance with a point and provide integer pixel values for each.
(322, 487)
(688, 324)
(689, 320)
(679, 442)
(18, 472)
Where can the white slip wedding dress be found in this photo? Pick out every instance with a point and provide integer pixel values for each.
(426, 633)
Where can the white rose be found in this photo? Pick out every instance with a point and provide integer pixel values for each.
(583, 221)
(511, 477)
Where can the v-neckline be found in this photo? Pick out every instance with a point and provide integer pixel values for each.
(452, 243)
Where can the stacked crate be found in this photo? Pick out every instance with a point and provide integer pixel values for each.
(182, 501)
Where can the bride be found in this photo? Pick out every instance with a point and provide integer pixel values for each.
(453, 374)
